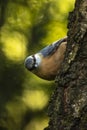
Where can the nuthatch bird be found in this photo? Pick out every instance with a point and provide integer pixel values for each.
(46, 63)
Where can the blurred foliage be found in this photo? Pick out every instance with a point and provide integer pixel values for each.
(26, 27)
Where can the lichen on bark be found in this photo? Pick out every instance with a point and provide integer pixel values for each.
(68, 104)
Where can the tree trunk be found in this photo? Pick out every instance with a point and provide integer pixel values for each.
(68, 105)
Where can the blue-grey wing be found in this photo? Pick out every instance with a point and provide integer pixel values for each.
(49, 50)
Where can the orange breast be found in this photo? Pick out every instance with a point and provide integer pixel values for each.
(51, 64)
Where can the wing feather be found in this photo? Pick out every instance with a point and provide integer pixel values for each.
(49, 50)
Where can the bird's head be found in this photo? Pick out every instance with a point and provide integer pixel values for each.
(32, 62)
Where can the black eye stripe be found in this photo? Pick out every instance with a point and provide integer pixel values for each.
(34, 59)
(33, 66)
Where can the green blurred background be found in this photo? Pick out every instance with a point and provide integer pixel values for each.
(27, 26)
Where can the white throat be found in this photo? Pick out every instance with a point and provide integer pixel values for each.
(38, 59)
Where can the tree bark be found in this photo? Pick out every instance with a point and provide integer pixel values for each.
(68, 104)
